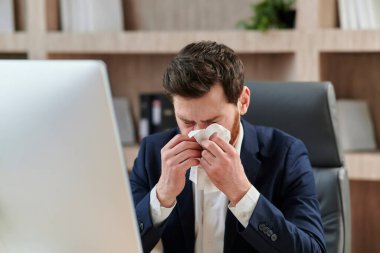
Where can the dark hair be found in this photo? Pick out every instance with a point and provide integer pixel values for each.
(199, 66)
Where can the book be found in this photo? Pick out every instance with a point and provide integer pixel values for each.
(145, 112)
(361, 14)
(370, 14)
(124, 120)
(376, 13)
(343, 14)
(91, 15)
(355, 125)
(156, 114)
(352, 15)
(105, 16)
(7, 23)
(64, 7)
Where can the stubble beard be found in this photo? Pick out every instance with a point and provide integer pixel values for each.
(235, 129)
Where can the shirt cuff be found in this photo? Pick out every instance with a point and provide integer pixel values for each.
(244, 208)
(158, 212)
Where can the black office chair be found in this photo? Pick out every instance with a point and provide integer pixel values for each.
(306, 110)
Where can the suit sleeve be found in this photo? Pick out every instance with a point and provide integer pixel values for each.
(141, 183)
(294, 225)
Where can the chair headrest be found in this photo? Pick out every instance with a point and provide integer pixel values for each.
(305, 110)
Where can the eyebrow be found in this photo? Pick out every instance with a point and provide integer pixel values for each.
(208, 120)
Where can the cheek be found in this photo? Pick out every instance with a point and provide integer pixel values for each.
(226, 123)
(184, 129)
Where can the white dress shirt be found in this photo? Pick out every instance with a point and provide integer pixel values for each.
(210, 212)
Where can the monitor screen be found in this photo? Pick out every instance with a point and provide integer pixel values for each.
(63, 181)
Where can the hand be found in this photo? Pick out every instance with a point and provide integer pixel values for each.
(223, 166)
(177, 156)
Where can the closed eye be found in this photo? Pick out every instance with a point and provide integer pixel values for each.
(188, 122)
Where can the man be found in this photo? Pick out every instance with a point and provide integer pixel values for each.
(266, 199)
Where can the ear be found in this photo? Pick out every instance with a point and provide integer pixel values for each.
(244, 100)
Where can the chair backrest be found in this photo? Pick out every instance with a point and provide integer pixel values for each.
(306, 110)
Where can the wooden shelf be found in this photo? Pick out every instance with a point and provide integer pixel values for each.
(13, 42)
(170, 42)
(363, 166)
(336, 40)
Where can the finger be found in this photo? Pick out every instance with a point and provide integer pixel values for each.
(213, 148)
(190, 153)
(185, 145)
(187, 164)
(224, 145)
(208, 156)
(177, 139)
(205, 165)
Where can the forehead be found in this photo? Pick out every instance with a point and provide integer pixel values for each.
(212, 104)
(214, 96)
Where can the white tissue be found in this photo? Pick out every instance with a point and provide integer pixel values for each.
(197, 174)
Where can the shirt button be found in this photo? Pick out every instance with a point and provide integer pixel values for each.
(141, 226)
(273, 237)
(269, 233)
(265, 230)
(261, 227)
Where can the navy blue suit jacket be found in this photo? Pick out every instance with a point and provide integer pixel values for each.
(275, 163)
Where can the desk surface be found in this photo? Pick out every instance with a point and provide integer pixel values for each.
(360, 166)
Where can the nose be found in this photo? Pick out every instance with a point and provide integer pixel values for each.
(199, 126)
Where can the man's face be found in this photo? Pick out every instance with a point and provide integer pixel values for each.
(198, 113)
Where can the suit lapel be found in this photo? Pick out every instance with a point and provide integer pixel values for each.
(249, 152)
(185, 207)
(251, 164)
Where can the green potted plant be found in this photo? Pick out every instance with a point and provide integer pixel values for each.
(270, 14)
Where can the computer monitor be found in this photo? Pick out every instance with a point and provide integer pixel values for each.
(63, 182)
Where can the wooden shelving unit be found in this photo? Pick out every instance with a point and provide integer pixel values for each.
(335, 40)
(136, 58)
